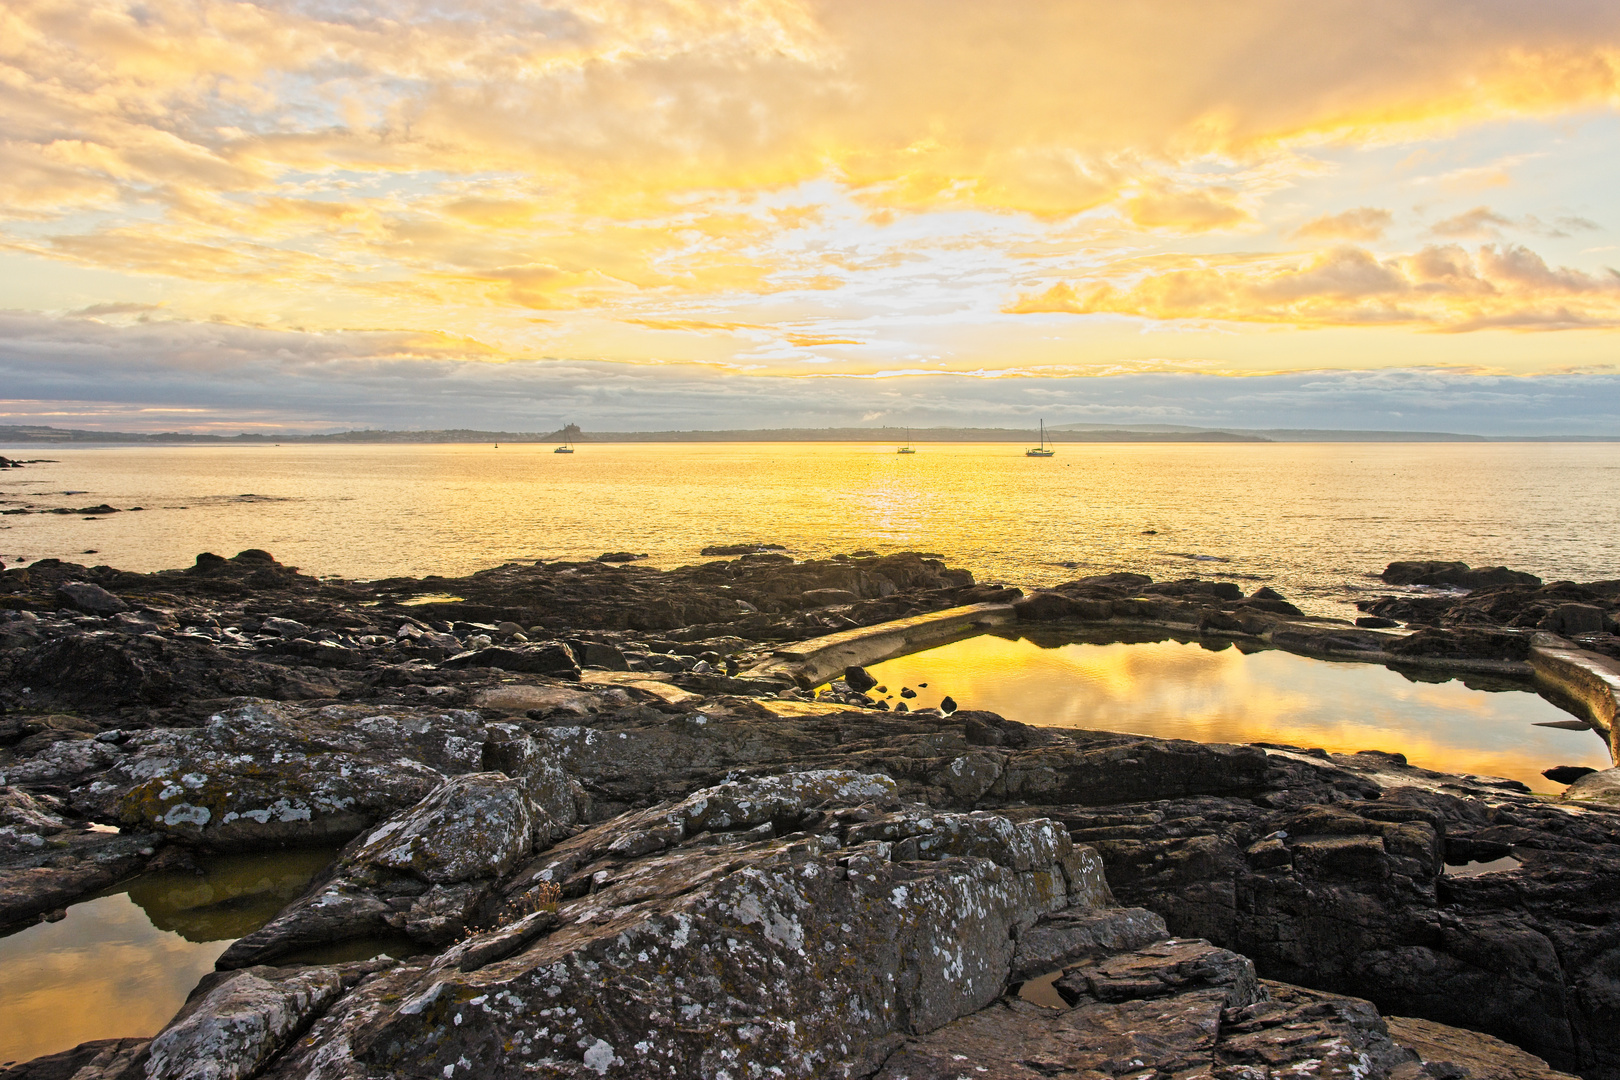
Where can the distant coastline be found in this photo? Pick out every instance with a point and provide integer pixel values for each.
(1068, 433)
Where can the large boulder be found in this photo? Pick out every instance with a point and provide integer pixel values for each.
(810, 953)
(471, 826)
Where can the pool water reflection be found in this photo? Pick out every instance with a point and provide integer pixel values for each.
(122, 964)
(1185, 690)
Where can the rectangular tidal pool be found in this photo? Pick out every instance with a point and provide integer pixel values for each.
(1187, 690)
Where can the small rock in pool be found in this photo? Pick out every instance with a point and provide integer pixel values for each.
(1566, 774)
(907, 692)
(858, 678)
(947, 704)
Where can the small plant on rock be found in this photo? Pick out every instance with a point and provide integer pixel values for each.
(543, 897)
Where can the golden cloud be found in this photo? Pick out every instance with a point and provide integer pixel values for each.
(1364, 223)
(1186, 211)
(1441, 288)
(620, 155)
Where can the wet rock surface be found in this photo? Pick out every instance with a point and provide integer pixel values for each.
(623, 856)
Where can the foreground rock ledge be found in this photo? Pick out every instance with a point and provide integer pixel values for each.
(870, 937)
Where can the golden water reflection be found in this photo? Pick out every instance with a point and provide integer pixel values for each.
(1182, 690)
(122, 964)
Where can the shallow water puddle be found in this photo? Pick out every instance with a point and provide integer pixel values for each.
(122, 964)
(1182, 690)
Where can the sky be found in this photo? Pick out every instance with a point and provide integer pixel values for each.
(681, 214)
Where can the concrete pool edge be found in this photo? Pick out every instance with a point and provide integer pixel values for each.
(1587, 679)
(818, 659)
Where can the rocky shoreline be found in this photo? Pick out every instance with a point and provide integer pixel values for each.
(627, 838)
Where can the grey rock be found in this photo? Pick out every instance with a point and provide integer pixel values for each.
(471, 826)
(1064, 937)
(425, 871)
(229, 1032)
(1160, 970)
(599, 655)
(1601, 787)
(287, 628)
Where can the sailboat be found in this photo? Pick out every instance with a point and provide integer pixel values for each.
(906, 449)
(567, 446)
(1042, 450)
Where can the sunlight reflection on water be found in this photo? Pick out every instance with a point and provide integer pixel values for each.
(1181, 690)
(122, 964)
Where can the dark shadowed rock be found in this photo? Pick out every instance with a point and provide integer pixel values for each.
(1571, 619)
(1567, 774)
(1044, 606)
(1279, 1031)
(1464, 643)
(730, 550)
(1457, 574)
(827, 597)
(88, 598)
(540, 658)
(858, 678)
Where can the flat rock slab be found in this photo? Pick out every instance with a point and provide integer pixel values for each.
(1271, 1032)
(520, 697)
(1471, 1054)
(267, 772)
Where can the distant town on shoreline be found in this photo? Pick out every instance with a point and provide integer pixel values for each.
(1069, 433)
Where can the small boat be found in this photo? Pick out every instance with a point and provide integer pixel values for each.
(906, 449)
(565, 448)
(1042, 450)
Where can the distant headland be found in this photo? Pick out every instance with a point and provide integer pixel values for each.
(1073, 433)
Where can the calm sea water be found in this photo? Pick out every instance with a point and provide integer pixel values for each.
(1312, 519)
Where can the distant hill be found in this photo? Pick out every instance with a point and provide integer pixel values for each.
(1064, 433)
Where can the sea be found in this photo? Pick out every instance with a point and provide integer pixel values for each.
(1317, 521)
